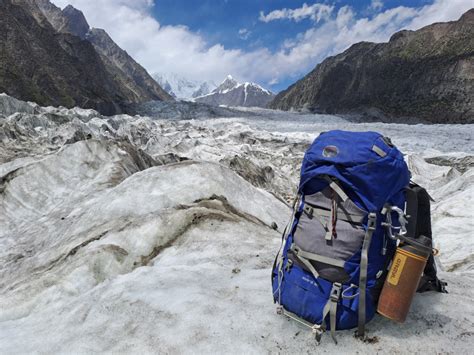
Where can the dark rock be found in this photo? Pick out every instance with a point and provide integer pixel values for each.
(462, 164)
(78, 135)
(256, 175)
(169, 158)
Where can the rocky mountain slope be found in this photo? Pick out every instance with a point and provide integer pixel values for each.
(427, 74)
(182, 88)
(232, 93)
(120, 65)
(51, 67)
(127, 232)
(125, 69)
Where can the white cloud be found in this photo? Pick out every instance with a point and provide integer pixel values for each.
(273, 81)
(376, 5)
(176, 49)
(316, 12)
(244, 33)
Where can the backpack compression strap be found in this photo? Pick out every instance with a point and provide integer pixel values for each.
(364, 262)
(329, 309)
(279, 257)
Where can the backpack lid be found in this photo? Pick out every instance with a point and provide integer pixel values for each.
(369, 167)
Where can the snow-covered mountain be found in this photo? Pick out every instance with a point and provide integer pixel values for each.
(232, 93)
(182, 88)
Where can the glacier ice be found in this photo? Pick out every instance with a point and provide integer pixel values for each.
(156, 234)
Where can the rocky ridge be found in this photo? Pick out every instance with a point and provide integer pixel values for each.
(120, 65)
(426, 74)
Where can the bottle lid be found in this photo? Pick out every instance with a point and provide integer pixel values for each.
(422, 243)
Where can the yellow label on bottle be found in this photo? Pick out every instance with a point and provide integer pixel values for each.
(396, 269)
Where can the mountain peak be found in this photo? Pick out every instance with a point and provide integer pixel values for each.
(228, 84)
(76, 21)
(232, 93)
(182, 87)
(468, 16)
(69, 20)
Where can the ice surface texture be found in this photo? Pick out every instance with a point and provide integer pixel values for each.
(138, 234)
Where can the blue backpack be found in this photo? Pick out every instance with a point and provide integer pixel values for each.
(335, 251)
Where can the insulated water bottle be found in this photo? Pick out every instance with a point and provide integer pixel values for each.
(403, 278)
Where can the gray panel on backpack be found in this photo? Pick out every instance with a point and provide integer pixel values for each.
(312, 228)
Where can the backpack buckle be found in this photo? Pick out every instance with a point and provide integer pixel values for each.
(336, 291)
(318, 332)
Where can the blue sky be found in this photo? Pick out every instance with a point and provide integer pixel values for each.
(219, 21)
(271, 42)
(236, 25)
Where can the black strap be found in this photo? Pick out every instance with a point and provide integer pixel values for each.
(419, 223)
(429, 284)
(412, 212)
